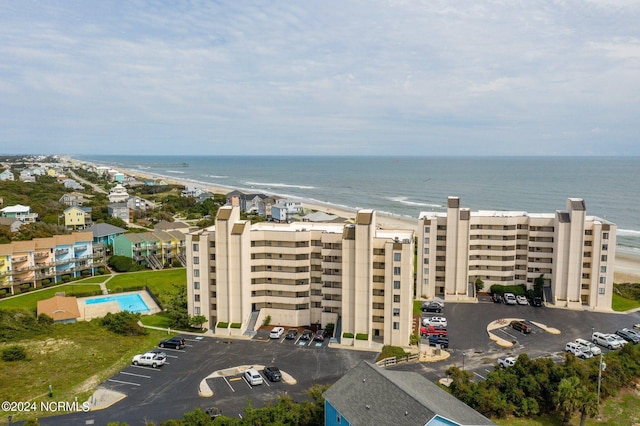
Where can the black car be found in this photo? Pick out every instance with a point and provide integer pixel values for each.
(306, 335)
(273, 373)
(291, 334)
(496, 298)
(173, 342)
(536, 301)
(431, 307)
(319, 337)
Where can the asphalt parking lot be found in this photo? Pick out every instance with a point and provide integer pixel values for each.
(467, 331)
(171, 390)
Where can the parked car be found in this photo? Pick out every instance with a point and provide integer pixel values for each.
(306, 335)
(606, 340)
(510, 299)
(507, 361)
(536, 301)
(291, 334)
(253, 377)
(158, 352)
(276, 332)
(629, 335)
(431, 307)
(428, 330)
(319, 336)
(438, 339)
(588, 346)
(149, 359)
(435, 321)
(522, 300)
(272, 373)
(213, 412)
(577, 350)
(636, 326)
(496, 298)
(521, 326)
(619, 339)
(173, 342)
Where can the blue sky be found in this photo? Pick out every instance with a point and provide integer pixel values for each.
(320, 77)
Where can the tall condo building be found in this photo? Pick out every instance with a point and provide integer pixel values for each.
(573, 253)
(356, 276)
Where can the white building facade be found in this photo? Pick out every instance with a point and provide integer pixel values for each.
(356, 276)
(574, 253)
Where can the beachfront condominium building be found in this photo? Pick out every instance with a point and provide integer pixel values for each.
(573, 253)
(356, 276)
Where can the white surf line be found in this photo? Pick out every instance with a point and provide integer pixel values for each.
(124, 383)
(134, 374)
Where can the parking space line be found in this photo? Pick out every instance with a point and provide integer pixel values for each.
(264, 379)
(479, 376)
(145, 368)
(124, 383)
(172, 356)
(510, 335)
(229, 384)
(247, 382)
(134, 374)
(192, 340)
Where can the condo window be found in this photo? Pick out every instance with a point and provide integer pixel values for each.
(196, 247)
(396, 298)
(603, 258)
(427, 229)
(396, 326)
(396, 270)
(603, 269)
(425, 261)
(397, 257)
(605, 247)
(605, 235)
(425, 281)
(426, 271)
(603, 280)
(196, 285)
(196, 297)
(196, 310)
(196, 272)
(196, 260)
(396, 312)
(396, 285)
(601, 290)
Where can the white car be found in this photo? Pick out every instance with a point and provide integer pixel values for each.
(253, 377)
(522, 300)
(577, 350)
(435, 321)
(619, 339)
(149, 359)
(606, 340)
(587, 346)
(507, 361)
(276, 332)
(510, 299)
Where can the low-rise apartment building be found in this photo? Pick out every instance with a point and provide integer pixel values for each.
(38, 262)
(357, 276)
(573, 252)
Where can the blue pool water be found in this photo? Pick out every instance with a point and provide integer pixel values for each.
(127, 302)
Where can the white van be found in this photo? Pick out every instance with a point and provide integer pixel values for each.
(253, 377)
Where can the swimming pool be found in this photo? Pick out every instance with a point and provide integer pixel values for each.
(127, 302)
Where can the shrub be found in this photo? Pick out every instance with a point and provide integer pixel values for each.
(122, 264)
(414, 339)
(125, 323)
(176, 263)
(66, 278)
(222, 324)
(362, 336)
(518, 290)
(347, 335)
(46, 282)
(235, 325)
(101, 270)
(14, 353)
(328, 328)
(267, 321)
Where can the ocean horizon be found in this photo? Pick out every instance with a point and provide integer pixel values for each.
(406, 186)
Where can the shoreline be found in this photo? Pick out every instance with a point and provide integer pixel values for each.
(626, 268)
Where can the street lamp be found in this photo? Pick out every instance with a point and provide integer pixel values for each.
(601, 367)
(463, 355)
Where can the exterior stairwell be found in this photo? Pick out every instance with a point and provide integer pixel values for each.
(153, 262)
(252, 324)
(183, 259)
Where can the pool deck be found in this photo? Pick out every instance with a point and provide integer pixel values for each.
(98, 310)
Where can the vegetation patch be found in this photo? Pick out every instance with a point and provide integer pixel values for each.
(362, 336)
(347, 335)
(30, 301)
(235, 325)
(222, 324)
(390, 352)
(14, 353)
(163, 284)
(622, 304)
(125, 323)
(160, 319)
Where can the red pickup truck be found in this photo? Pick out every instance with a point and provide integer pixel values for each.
(429, 330)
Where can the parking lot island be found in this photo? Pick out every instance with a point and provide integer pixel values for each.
(205, 391)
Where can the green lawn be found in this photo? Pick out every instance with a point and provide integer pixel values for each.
(157, 320)
(74, 359)
(159, 282)
(96, 279)
(30, 300)
(417, 304)
(621, 304)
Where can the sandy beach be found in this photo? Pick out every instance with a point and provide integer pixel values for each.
(627, 265)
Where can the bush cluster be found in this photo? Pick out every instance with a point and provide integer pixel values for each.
(518, 290)
(16, 324)
(123, 264)
(14, 353)
(125, 323)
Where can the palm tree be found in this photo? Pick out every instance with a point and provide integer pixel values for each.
(568, 397)
(588, 406)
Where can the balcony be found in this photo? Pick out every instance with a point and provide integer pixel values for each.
(1, 262)
(18, 259)
(60, 252)
(81, 248)
(41, 255)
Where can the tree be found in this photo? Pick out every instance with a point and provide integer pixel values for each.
(538, 285)
(588, 406)
(176, 307)
(568, 397)
(197, 321)
(479, 284)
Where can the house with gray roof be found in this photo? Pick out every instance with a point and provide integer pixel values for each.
(369, 395)
(105, 233)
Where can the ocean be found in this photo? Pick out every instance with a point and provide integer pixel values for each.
(407, 186)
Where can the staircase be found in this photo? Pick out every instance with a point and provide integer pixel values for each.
(183, 259)
(153, 262)
(252, 324)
